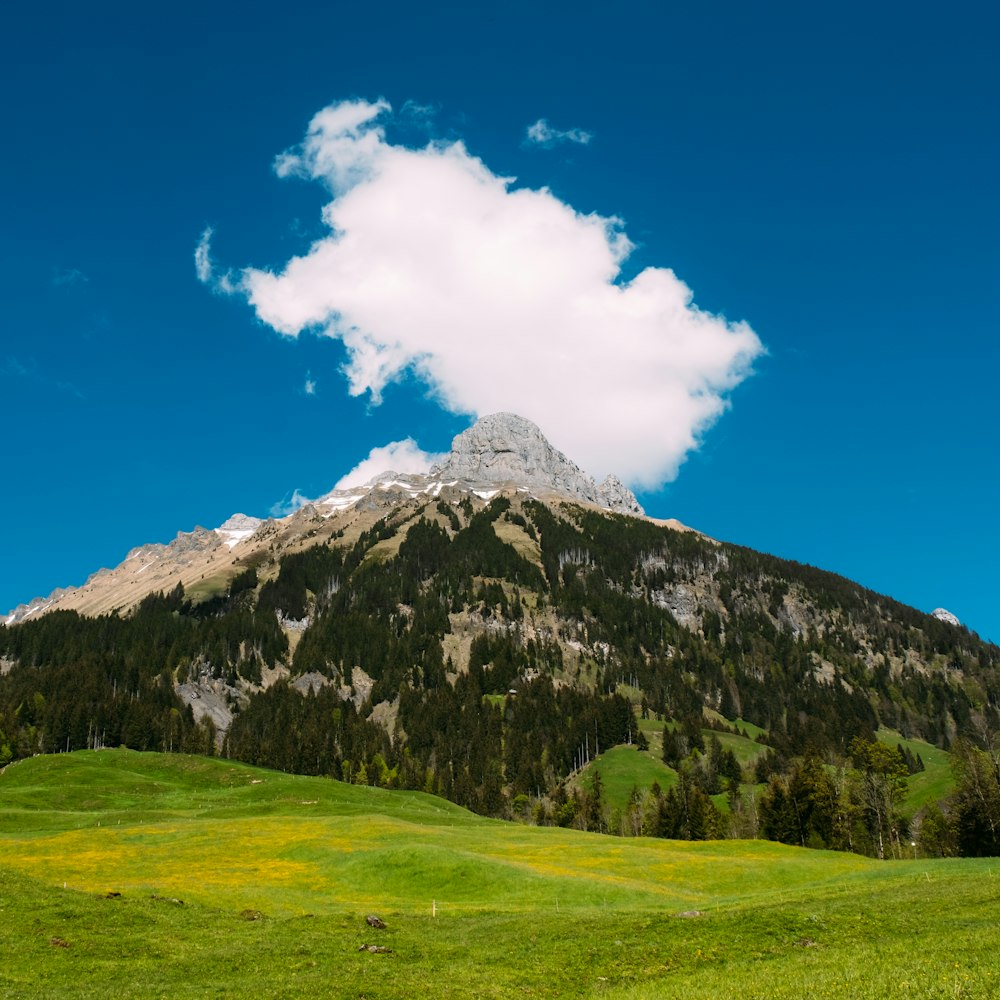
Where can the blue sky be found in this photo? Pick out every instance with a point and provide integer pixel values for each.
(827, 176)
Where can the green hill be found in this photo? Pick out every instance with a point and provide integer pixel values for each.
(934, 783)
(235, 882)
(625, 768)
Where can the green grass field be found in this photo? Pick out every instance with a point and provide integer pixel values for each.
(746, 751)
(276, 873)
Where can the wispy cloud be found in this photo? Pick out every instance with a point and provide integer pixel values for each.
(310, 387)
(415, 111)
(288, 504)
(11, 366)
(498, 298)
(14, 368)
(63, 277)
(541, 133)
(204, 265)
(203, 256)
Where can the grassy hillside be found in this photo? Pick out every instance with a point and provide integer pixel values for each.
(934, 783)
(276, 873)
(625, 768)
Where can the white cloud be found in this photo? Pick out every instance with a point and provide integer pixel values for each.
(342, 145)
(397, 456)
(289, 504)
(203, 257)
(499, 298)
(204, 266)
(543, 134)
(310, 387)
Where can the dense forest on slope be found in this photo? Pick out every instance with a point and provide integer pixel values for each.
(488, 651)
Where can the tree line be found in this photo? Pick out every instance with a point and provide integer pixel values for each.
(539, 694)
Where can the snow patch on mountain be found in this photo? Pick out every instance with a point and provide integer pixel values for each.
(36, 607)
(238, 528)
(413, 485)
(943, 615)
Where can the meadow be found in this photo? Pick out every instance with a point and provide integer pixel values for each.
(143, 875)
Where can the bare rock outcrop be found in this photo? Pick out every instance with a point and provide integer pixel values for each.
(944, 615)
(505, 448)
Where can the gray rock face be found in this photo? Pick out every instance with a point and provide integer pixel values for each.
(617, 496)
(505, 448)
(209, 698)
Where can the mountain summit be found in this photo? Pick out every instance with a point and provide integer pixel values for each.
(504, 448)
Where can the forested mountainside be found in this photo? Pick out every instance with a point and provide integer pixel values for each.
(487, 650)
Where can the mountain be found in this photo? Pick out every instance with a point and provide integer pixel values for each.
(484, 632)
(501, 452)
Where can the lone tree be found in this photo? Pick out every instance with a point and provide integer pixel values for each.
(882, 775)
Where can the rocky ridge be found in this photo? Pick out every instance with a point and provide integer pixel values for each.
(500, 452)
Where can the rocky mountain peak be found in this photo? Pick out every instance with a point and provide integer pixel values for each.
(944, 615)
(507, 448)
(617, 496)
(504, 447)
(238, 528)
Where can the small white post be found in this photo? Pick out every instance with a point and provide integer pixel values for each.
(434, 908)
